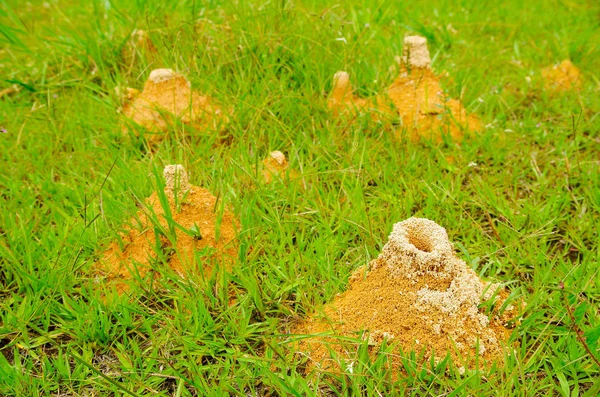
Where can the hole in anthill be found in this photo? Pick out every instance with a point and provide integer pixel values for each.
(420, 242)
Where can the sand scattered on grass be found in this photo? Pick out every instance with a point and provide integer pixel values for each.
(211, 241)
(415, 96)
(417, 294)
(166, 96)
(562, 77)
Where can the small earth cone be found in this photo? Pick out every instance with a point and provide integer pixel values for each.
(168, 96)
(415, 97)
(198, 238)
(276, 165)
(419, 296)
(562, 77)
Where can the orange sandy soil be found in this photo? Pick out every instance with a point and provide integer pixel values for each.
(137, 257)
(277, 165)
(562, 77)
(167, 96)
(416, 96)
(411, 309)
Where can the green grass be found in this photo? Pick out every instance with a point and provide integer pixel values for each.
(521, 201)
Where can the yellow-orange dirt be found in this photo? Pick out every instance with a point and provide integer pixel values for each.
(166, 96)
(277, 165)
(417, 295)
(146, 247)
(416, 97)
(562, 77)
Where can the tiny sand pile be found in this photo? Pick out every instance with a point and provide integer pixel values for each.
(207, 238)
(416, 96)
(419, 295)
(562, 77)
(276, 165)
(168, 95)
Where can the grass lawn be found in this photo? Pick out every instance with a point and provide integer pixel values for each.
(520, 200)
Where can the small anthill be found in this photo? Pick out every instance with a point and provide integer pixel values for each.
(415, 97)
(167, 95)
(562, 77)
(419, 295)
(192, 236)
(276, 164)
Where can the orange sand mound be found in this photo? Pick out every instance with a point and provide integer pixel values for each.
(415, 96)
(277, 165)
(562, 77)
(419, 295)
(168, 95)
(138, 256)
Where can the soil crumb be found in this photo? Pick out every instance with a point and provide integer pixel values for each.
(562, 77)
(166, 96)
(416, 97)
(417, 294)
(204, 238)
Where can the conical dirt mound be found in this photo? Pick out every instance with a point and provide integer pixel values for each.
(419, 295)
(167, 96)
(197, 239)
(276, 166)
(562, 77)
(416, 97)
